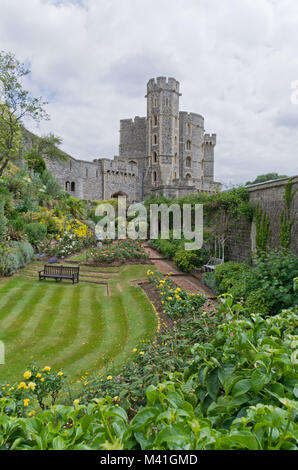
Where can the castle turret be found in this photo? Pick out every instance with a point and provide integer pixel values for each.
(208, 159)
(163, 129)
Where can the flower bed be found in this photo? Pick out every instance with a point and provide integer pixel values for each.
(118, 252)
(176, 302)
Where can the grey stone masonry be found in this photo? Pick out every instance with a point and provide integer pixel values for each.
(167, 152)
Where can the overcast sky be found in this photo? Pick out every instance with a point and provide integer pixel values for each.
(235, 60)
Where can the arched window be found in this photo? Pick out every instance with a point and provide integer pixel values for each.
(154, 177)
(188, 128)
(73, 187)
(155, 102)
(154, 139)
(188, 162)
(188, 176)
(175, 175)
(175, 140)
(175, 158)
(67, 186)
(155, 122)
(154, 157)
(188, 145)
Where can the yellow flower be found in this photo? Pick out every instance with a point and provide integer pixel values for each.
(60, 373)
(27, 374)
(134, 350)
(46, 369)
(142, 353)
(42, 380)
(32, 413)
(76, 402)
(109, 377)
(26, 402)
(22, 385)
(169, 298)
(38, 375)
(32, 385)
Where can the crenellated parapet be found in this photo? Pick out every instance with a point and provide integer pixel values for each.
(163, 83)
(210, 139)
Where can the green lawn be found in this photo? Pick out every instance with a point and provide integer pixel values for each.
(77, 328)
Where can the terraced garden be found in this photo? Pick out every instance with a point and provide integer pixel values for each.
(77, 328)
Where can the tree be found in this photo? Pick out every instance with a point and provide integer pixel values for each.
(16, 104)
(46, 146)
(266, 177)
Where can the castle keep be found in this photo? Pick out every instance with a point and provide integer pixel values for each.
(167, 152)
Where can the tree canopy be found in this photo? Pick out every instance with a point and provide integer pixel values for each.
(266, 177)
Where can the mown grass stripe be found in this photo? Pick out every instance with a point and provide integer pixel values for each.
(19, 309)
(42, 317)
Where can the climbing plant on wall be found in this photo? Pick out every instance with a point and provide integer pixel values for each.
(263, 231)
(286, 221)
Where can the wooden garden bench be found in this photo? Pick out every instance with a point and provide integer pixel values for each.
(60, 272)
(210, 266)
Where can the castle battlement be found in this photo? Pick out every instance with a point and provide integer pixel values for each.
(194, 118)
(163, 83)
(210, 139)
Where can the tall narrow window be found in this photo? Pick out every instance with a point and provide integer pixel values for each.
(154, 177)
(73, 187)
(176, 121)
(188, 162)
(175, 140)
(86, 172)
(155, 102)
(188, 128)
(154, 157)
(167, 101)
(67, 186)
(188, 145)
(154, 139)
(175, 158)
(155, 120)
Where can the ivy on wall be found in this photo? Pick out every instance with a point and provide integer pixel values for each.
(286, 221)
(263, 232)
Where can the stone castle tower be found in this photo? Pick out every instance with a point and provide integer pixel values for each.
(167, 152)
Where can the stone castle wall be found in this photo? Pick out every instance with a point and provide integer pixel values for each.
(240, 235)
(165, 152)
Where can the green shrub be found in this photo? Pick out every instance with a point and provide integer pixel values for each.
(3, 222)
(14, 256)
(274, 273)
(257, 302)
(36, 232)
(228, 273)
(185, 260)
(53, 188)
